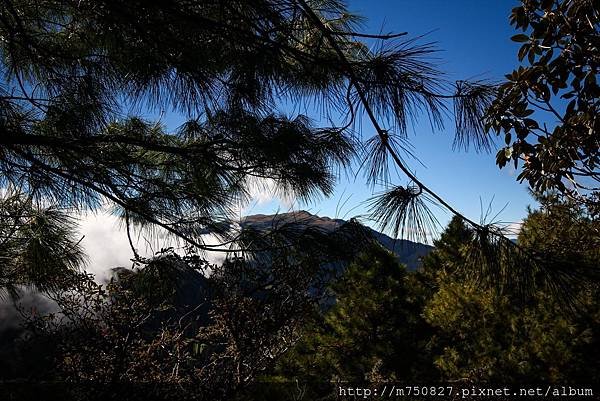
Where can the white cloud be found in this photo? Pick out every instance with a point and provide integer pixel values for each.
(105, 243)
(263, 191)
(512, 229)
(107, 246)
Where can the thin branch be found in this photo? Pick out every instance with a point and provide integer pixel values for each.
(371, 36)
(355, 81)
(127, 227)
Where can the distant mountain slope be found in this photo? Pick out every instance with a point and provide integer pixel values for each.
(408, 252)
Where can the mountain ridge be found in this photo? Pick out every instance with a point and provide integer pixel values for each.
(407, 252)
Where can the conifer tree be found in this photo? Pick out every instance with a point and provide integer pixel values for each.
(79, 75)
(373, 332)
(482, 333)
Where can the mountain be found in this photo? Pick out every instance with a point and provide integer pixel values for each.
(407, 252)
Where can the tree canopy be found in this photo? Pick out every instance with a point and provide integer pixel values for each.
(76, 72)
(547, 109)
(438, 324)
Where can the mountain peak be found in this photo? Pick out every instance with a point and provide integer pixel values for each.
(408, 252)
(299, 216)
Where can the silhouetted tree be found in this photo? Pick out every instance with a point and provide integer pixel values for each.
(76, 72)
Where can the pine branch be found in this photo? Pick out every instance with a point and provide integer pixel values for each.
(520, 259)
(354, 81)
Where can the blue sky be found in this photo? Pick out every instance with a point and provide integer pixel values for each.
(474, 42)
(473, 38)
